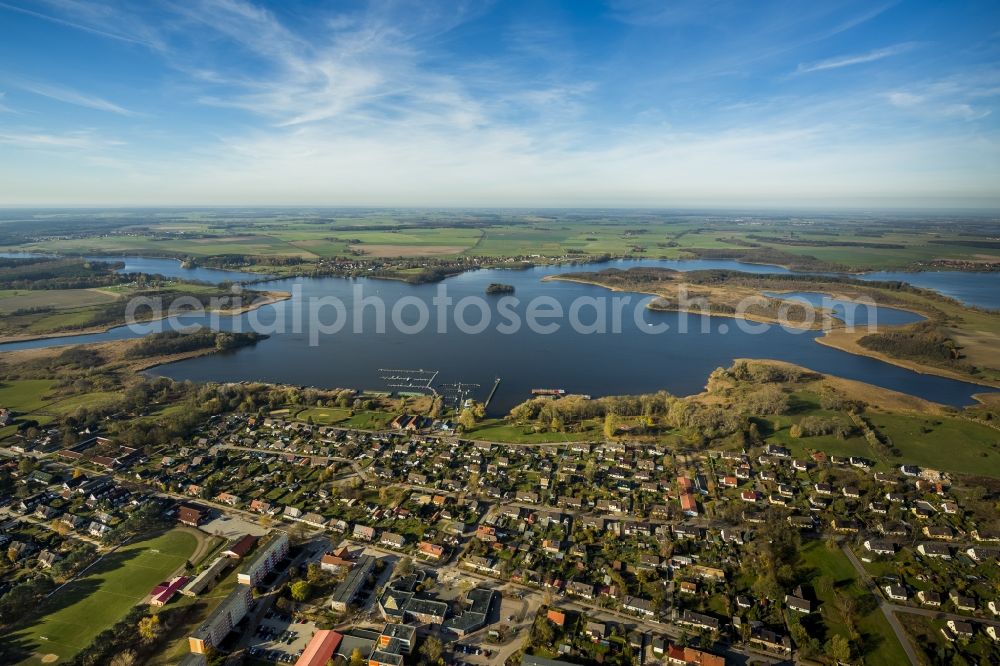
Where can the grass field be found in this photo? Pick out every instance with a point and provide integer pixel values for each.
(364, 420)
(945, 443)
(91, 604)
(832, 574)
(25, 395)
(30, 399)
(59, 299)
(948, 444)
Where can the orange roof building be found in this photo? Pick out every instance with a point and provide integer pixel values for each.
(320, 649)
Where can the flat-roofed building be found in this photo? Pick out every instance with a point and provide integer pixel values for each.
(398, 638)
(271, 550)
(475, 615)
(347, 591)
(221, 621)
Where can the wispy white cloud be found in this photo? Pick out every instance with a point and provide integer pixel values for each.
(3, 107)
(967, 96)
(95, 18)
(71, 96)
(80, 140)
(856, 59)
(372, 107)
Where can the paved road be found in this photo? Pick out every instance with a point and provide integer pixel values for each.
(886, 608)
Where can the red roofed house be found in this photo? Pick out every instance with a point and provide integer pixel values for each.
(164, 592)
(431, 549)
(191, 515)
(320, 649)
(556, 617)
(241, 547)
(687, 656)
(689, 505)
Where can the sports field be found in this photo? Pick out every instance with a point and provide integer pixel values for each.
(91, 604)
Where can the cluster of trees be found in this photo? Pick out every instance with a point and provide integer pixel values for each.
(50, 273)
(499, 288)
(23, 597)
(575, 408)
(174, 342)
(710, 421)
(767, 255)
(243, 260)
(814, 426)
(148, 517)
(471, 415)
(922, 341)
(756, 372)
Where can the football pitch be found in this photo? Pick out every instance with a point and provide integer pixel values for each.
(103, 596)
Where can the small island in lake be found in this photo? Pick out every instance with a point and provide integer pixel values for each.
(500, 288)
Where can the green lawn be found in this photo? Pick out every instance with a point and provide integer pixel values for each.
(944, 443)
(95, 602)
(947, 444)
(324, 415)
(25, 395)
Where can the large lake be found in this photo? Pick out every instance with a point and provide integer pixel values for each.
(633, 360)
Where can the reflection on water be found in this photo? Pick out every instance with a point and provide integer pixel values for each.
(631, 361)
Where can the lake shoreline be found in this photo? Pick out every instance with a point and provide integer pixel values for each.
(836, 338)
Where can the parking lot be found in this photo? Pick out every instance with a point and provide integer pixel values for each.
(279, 638)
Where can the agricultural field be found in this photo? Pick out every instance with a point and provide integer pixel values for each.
(12, 300)
(853, 242)
(91, 604)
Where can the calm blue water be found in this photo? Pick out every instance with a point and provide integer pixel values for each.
(977, 288)
(636, 359)
(981, 289)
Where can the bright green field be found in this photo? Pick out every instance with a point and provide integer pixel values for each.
(29, 399)
(947, 444)
(363, 420)
(324, 415)
(25, 395)
(938, 442)
(93, 603)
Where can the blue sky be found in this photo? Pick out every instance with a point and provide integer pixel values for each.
(520, 103)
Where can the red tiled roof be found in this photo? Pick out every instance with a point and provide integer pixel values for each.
(243, 546)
